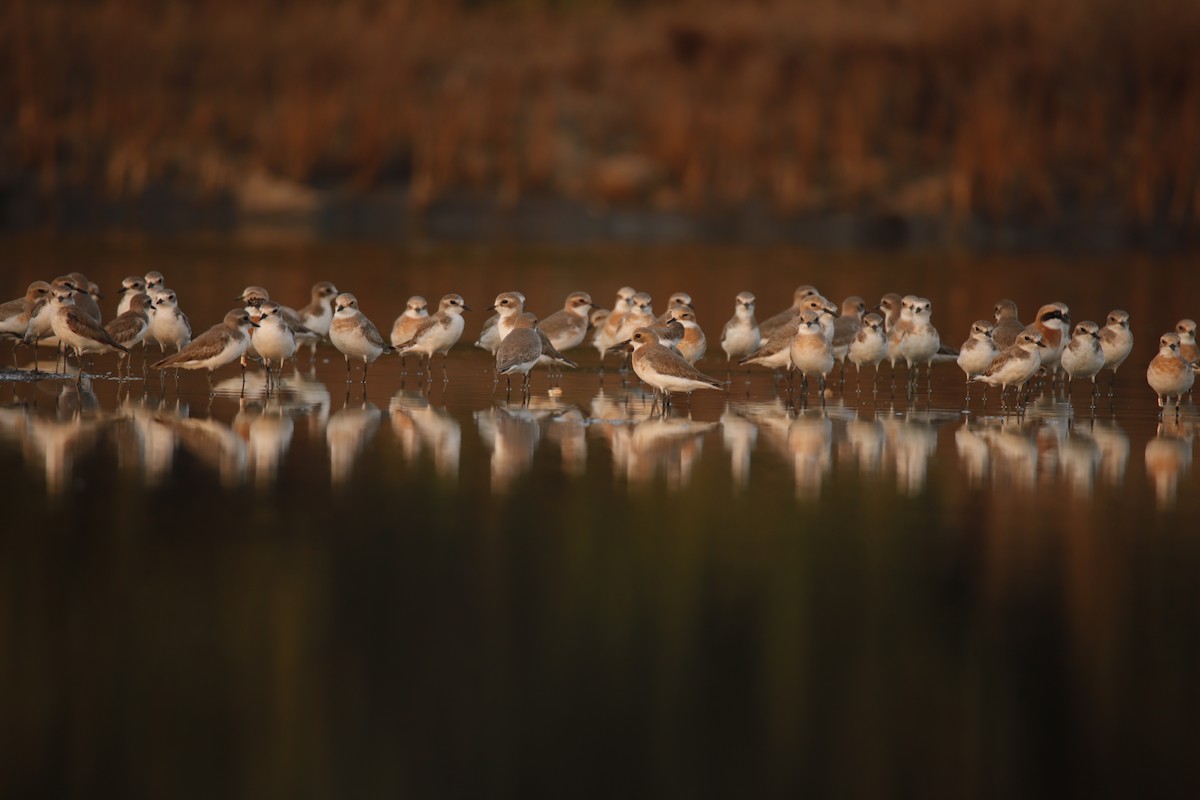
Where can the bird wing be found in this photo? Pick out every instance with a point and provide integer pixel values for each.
(549, 350)
(84, 325)
(203, 347)
(127, 326)
(372, 335)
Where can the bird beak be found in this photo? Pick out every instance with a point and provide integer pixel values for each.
(123, 290)
(616, 348)
(489, 308)
(254, 324)
(466, 307)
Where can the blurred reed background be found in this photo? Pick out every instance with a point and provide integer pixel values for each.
(1075, 114)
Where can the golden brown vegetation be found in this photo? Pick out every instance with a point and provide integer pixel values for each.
(1009, 108)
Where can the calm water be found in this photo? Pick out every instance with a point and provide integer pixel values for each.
(427, 590)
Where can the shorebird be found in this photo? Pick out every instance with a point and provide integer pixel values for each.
(640, 315)
(868, 348)
(355, 335)
(775, 353)
(318, 314)
(898, 330)
(490, 335)
(39, 331)
(509, 306)
(168, 325)
(606, 335)
(1083, 357)
(770, 325)
(1054, 322)
(154, 280)
(130, 328)
(977, 353)
(439, 331)
(741, 335)
(416, 310)
(1007, 327)
(85, 301)
(693, 344)
(664, 369)
(1016, 364)
(133, 285)
(78, 330)
(274, 340)
(15, 314)
(890, 306)
(920, 342)
(568, 327)
(1169, 375)
(1116, 340)
(221, 344)
(677, 299)
(1186, 329)
(519, 351)
(846, 327)
(811, 353)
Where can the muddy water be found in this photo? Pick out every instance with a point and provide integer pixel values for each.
(429, 587)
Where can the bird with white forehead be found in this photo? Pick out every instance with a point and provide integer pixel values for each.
(354, 335)
(664, 369)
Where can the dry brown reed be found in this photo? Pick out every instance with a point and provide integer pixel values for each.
(1002, 109)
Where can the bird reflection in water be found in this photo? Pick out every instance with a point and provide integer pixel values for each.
(347, 434)
(267, 430)
(512, 433)
(214, 444)
(422, 427)
(739, 436)
(1169, 457)
(145, 438)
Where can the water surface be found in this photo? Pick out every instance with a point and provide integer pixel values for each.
(429, 588)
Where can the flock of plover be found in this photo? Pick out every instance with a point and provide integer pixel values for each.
(809, 337)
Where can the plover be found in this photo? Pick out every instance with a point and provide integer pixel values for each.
(508, 306)
(78, 330)
(693, 344)
(775, 353)
(221, 344)
(741, 335)
(977, 352)
(416, 310)
(1168, 374)
(770, 325)
(130, 328)
(1083, 357)
(920, 342)
(869, 347)
(1116, 340)
(846, 327)
(15, 314)
(439, 331)
(811, 353)
(318, 314)
(130, 286)
(169, 326)
(1007, 327)
(890, 306)
(85, 301)
(606, 335)
(641, 315)
(677, 299)
(898, 330)
(39, 331)
(568, 327)
(354, 335)
(1016, 364)
(274, 339)
(664, 369)
(519, 351)
(490, 335)
(154, 280)
(1186, 329)
(1054, 322)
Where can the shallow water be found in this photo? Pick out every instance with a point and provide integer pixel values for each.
(429, 588)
